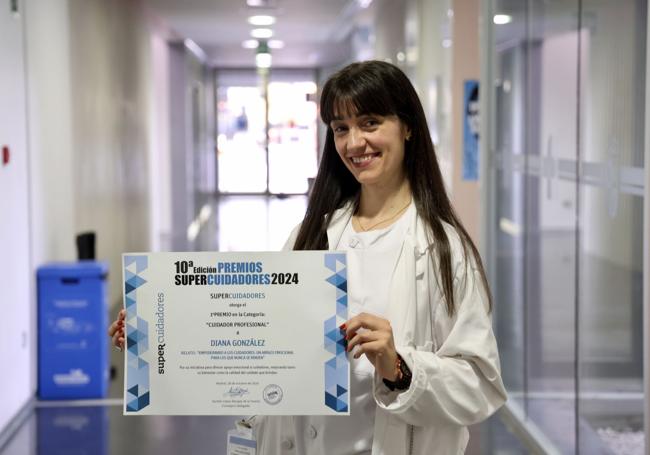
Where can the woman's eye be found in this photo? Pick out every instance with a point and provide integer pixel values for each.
(371, 122)
(339, 129)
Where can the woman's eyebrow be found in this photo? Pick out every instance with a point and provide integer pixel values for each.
(357, 116)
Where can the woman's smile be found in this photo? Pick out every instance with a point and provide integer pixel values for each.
(365, 160)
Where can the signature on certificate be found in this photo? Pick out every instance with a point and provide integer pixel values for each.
(236, 392)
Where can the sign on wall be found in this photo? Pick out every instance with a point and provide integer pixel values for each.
(471, 126)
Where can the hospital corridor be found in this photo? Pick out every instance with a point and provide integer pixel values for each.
(141, 136)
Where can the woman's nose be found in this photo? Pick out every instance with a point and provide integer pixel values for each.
(356, 139)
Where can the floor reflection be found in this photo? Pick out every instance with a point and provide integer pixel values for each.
(72, 430)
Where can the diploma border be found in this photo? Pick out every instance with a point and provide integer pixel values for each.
(137, 335)
(337, 367)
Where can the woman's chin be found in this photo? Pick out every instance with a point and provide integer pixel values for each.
(364, 179)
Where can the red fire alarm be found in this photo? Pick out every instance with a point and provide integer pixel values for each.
(5, 155)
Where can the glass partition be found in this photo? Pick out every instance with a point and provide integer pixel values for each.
(511, 88)
(612, 118)
(569, 95)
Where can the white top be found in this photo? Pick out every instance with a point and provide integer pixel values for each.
(372, 257)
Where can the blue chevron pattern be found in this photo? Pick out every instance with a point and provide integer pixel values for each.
(137, 339)
(336, 378)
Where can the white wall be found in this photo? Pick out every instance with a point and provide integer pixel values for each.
(76, 109)
(189, 153)
(159, 149)
(429, 63)
(390, 17)
(50, 130)
(465, 65)
(16, 336)
(89, 69)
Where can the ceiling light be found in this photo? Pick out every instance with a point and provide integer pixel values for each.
(502, 19)
(250, 44)
(263, 60)
(276, 44)
(261, 20)
(364, 3)
(262, 33)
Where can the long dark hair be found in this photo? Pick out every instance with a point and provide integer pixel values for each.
(379, 88)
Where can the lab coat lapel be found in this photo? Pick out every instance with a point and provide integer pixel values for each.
(401, 311)
(340, 219)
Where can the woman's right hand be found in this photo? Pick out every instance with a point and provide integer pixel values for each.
(116, 330)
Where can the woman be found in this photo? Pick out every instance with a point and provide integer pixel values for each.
(424, 360)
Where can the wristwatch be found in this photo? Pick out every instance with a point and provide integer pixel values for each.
(404, 376)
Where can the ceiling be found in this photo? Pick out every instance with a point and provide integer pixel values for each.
(315, 32)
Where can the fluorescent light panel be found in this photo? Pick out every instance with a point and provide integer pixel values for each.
(261, 20)
(502, 19)
(262, 33)
(276, 44)
(250, 44)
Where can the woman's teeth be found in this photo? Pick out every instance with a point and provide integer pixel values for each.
(363, 158)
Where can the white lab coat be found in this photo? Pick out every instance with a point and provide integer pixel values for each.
(454, 361)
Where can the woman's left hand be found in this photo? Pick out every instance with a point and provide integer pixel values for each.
(376, 342)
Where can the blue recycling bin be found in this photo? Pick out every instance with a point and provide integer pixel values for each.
(72, 320)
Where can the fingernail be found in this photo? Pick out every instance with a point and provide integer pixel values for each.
(343, 326)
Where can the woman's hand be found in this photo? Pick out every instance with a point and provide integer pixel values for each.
(376, 342)
(116, 330)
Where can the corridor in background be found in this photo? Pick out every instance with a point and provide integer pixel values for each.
(252, 142)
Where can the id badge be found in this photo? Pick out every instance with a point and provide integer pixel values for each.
(241, 440)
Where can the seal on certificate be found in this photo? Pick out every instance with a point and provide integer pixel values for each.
(272, 394)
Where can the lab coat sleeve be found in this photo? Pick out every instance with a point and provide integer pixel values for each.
(460, 383)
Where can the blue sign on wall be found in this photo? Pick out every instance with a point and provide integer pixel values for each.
(471, 125)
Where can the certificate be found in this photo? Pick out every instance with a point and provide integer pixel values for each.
(236, 333)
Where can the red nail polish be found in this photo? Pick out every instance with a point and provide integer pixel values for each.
(343, 326)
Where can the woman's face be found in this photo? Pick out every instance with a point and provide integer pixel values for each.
(371, 146)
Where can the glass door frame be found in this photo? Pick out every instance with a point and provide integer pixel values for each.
(512, 414)
(646, 251)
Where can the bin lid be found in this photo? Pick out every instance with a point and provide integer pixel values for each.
(80, 269)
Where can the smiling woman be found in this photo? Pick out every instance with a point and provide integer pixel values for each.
(424, 360)
(371, 146)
